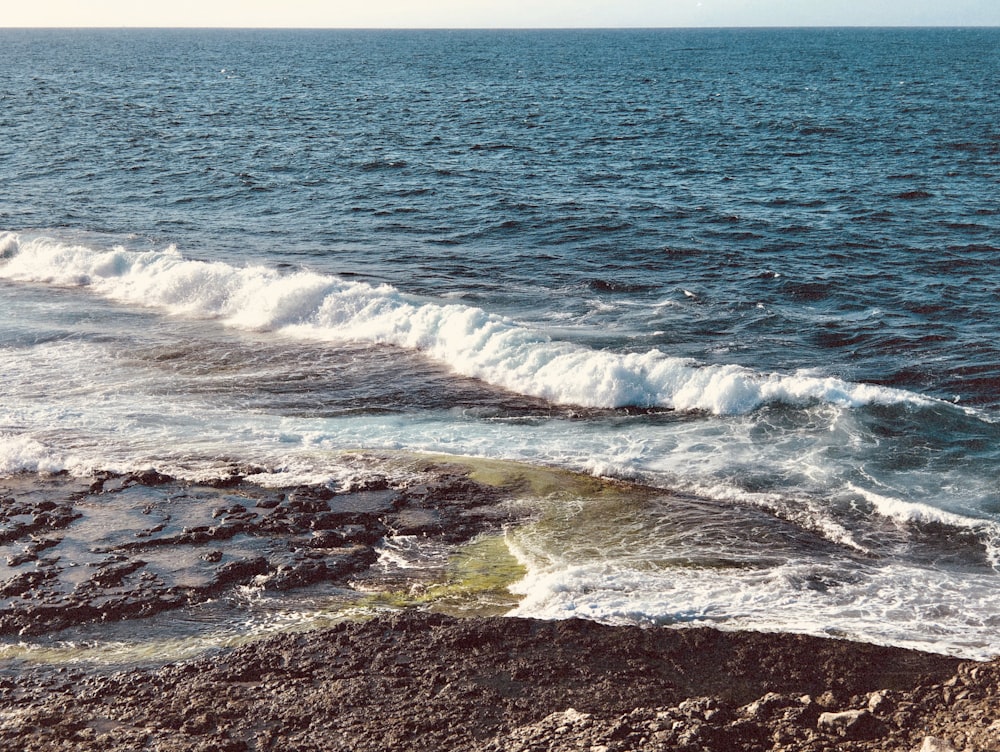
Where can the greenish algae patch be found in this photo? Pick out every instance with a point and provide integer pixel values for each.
(476, 583)
(479, 580)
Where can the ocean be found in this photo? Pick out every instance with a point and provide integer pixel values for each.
(755, 268)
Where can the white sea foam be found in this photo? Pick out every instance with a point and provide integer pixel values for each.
(22, 454)
(910, 511)
(988, 531)
(892, 604)
(806, 512)
(471, 341)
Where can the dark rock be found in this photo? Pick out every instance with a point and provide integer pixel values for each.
(851, 724)
(238, 572)
(310, 499)
(297, 572)
(16, 560)
(424, 681)
(112, 575)
(303, 568)
(150, 478)
(326, 539)
(370, 483)
(21, 583)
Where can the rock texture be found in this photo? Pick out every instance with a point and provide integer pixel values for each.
(420, 681)
(117, 547)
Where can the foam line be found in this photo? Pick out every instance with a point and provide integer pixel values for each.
(471, 341)
(988, 531)
(22, 454)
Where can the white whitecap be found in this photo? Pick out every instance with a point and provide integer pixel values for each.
(468, 339)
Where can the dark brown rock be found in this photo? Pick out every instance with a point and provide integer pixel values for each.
(419, 681)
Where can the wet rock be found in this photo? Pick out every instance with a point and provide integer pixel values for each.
(303, 568)
(296, 570)
(310, 499)
(21, 583)
(111, 575)
(149, 477)
(238, 572)
(326, 539)
(107, 482)
(25, 520)
(16, 560)
(449, 491)
(368, 483)
(151, 542)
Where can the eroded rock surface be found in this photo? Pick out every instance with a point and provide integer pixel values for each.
(125, 546)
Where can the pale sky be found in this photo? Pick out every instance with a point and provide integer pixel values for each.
(498, 13)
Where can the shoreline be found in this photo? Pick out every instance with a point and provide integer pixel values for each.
(119, 549)
(417, 681)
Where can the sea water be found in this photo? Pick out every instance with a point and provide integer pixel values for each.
(756, 268)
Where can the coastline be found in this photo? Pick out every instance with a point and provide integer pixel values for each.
(125, 549)
(253, 280)
(415, 681)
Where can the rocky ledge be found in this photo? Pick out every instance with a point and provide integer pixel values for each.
(427, 681)
(118, 547)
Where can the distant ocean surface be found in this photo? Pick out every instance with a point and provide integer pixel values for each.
(760, 268)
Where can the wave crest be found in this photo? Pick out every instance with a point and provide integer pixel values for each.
(470, 340)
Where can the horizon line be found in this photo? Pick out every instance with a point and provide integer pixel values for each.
(499, 28)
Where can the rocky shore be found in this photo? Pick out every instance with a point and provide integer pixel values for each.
(118, 548)
(428, 681)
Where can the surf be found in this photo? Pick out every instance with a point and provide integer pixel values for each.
(472, 342)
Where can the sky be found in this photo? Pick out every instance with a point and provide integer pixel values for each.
(498, 13)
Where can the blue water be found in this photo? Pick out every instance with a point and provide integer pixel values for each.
(754, 266)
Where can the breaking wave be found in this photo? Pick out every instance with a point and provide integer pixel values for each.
(469, 340)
